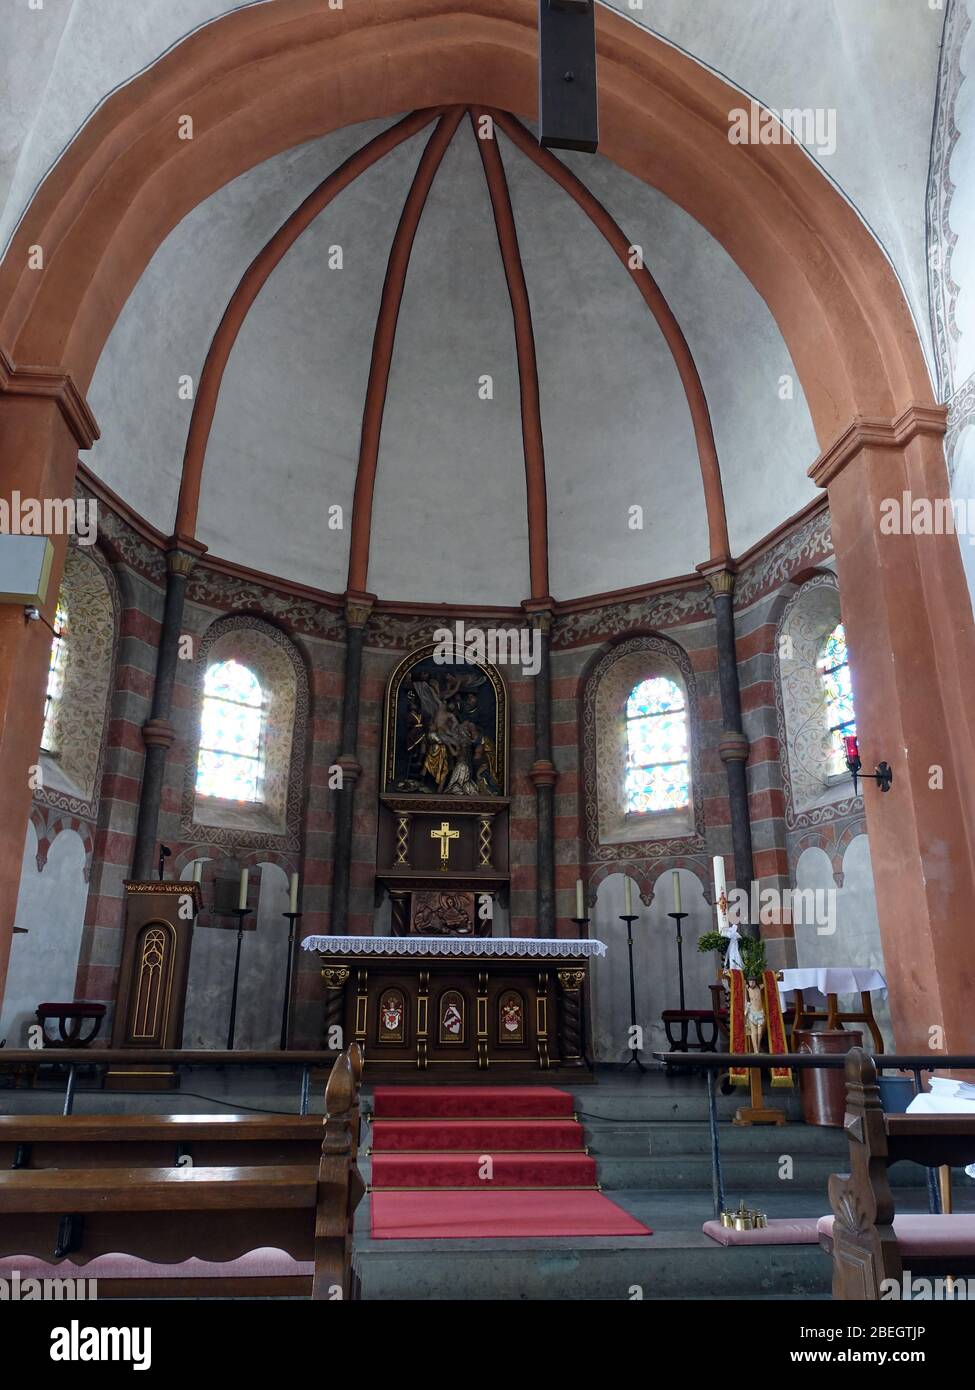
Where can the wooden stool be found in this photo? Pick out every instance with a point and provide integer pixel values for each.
(71, 1019)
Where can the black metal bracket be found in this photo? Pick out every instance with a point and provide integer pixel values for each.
(22, 1155)
(568, 101)
(883, 775)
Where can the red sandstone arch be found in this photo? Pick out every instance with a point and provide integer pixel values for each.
(263, 79)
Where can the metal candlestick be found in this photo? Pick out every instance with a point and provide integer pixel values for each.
(582, 923)
(634, 1052)
(285, 1012)
(240, 913)
(678, 917)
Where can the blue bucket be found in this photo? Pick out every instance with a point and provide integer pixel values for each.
(896, 1093)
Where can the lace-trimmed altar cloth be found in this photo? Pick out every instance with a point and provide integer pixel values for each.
(531, 947)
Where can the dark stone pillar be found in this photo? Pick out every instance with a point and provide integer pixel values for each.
(544, 777)
(357, 610)
(733, 748)
(157, 732)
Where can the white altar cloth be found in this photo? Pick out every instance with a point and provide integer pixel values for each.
(831, 979)
(946, 1097)
(526, 947)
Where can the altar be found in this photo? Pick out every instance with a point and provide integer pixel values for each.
(455, 1007)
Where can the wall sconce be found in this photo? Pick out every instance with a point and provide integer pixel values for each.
(883, 775)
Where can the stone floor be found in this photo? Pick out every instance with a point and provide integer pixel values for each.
(649, 1135)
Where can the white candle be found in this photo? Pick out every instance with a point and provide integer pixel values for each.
(198, 871)
(720, 891)
(580, 900)
(676, 891)
(244, 878)
(628, 895)
(294, 893)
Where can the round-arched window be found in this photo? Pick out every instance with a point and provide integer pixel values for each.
(232, 734)
(834, 673)
(657, 758)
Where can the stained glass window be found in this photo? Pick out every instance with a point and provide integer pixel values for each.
(231, 761)
(657, 765)
(834, 672)
(57, 665)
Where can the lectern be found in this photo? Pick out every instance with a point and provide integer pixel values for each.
(159, 919)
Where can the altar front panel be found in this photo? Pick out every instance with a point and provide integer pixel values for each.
(437, 1016)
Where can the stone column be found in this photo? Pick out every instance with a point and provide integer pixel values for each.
(357, 610)
(44, 421)
(157, 732)
(733, 747)
(544, 775)
(908, 619)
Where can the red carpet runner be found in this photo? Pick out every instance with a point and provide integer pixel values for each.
(450, 1162)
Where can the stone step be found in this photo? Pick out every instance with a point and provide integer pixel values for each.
(656, 1107)
(674, 1265)
(628, 1140)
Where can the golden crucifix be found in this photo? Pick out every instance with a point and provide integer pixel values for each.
(444, 835)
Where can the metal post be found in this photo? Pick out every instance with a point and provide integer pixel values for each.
(69, 1092)
(634, 1051)
(305, 1086)
(717, 1183)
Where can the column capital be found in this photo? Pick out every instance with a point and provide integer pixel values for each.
(59, 387)
(358, 608)
(874, 432)
(720, 574)
(541, 612)
(182, 553)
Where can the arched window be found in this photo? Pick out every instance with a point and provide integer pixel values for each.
(55, 679)
(232, 734)
(657, 764)
(834, 672)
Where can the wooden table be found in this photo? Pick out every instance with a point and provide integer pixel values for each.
(832, 981)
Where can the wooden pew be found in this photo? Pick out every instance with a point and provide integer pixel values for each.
(162, 1141)
(868, 1244)
(85, 1222)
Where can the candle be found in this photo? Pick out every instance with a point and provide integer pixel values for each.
(628, 895)
(852, 748)
(244, 879)
(294, 894)
(580, 900)
(676, 891)
(198, 871)
(720, 891)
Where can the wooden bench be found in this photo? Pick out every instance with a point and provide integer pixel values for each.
(254, 1229)
(868, 1244)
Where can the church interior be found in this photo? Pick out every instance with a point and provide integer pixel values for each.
(486, 532)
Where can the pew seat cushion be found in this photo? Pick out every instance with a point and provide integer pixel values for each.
(798, 1230)
(923, 1236)
(266, 1263)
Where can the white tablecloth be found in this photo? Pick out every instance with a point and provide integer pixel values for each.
(527, 947)
(832, 979)
(944, 1101)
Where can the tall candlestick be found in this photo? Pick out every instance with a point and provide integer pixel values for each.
(628, 895)
(580, 900)
(720, 891)
(676, 891)
(198, 871)
(294, 894)
(244, 881)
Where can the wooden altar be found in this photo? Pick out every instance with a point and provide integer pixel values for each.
(445, 1009)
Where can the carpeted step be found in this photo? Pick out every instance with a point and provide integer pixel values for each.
(463, 1215)
(453, 1170)
(471, 1102)
(476, 1136)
